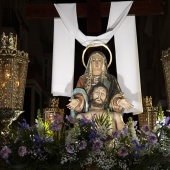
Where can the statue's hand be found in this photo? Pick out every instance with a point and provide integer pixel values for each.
(125, 104)
(73, 104)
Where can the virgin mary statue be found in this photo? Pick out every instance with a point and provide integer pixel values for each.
(97, 71)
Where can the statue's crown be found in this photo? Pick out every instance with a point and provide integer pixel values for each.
(8, 41)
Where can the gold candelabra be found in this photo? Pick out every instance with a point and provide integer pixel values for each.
(13, 72)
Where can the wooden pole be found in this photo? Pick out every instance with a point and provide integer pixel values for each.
(142, 7)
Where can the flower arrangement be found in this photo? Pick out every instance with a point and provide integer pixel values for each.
(80, 144)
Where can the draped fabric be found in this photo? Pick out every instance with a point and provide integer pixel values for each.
(63, 60)
(118, 13)
(127, 63)
(66, 30)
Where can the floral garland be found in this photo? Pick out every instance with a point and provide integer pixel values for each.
(78, 144)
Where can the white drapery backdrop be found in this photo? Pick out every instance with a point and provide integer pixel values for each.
(121, 26)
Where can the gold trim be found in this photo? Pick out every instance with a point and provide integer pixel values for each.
(97, 45)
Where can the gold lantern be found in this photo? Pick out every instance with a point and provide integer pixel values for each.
(149, 115)
(52, 112)
(166, 69)
(13, 72)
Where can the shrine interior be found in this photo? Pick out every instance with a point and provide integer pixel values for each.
(35, 36)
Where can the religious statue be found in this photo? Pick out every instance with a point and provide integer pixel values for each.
(4, 40)
(8, 42)
(98, 99)
(97, 71)
(12, 41)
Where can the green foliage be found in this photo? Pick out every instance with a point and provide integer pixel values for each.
(161, 116)
(103, 119)
(47, 131)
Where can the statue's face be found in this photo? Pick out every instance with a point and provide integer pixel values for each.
(99, 95)
(96, 62)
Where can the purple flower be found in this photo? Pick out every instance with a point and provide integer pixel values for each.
(24, 124)
(122, 152)
(93, 118)
(136, 151)
(145, 129)
(4, 152)
(70, 119)
(55, 127)
(37, 141)
(152, 138)
(70, 149)
(135, 123)
(84, 121)
(58, 119)
(22, 151)
(47, 140)
(82, 145)
(116, 134)
(167, 119)
(93, 135)
(125, 131)
(97, 145)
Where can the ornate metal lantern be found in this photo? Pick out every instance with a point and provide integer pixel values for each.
(166, 68)
(13, 72)
(54, 112)
(149, 115)
(51, 112)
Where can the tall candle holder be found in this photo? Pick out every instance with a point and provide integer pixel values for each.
(166, 69)
(13, 73)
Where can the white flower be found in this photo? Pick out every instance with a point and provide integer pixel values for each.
(71, 137)
(102, 131)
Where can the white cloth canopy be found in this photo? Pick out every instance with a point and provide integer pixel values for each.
(66, 30)
(118, 12)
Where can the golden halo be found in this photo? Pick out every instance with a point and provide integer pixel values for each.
(96, 45)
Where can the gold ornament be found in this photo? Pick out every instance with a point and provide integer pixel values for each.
(13, 72)
(8, 42)
(149, 115)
